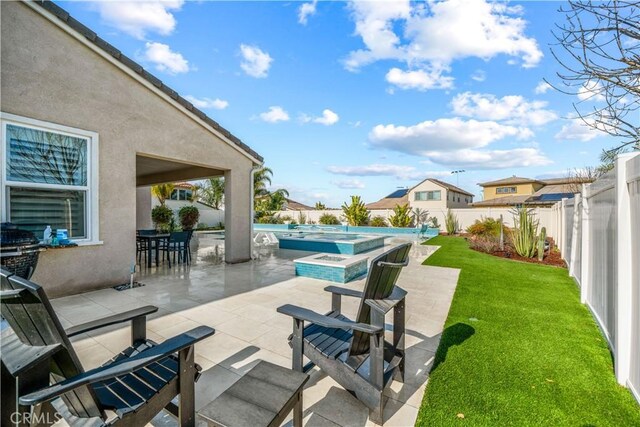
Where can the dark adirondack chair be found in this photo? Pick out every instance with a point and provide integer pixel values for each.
(355, 353)
(134, 386)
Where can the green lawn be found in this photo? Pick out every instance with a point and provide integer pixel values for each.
(519, 350)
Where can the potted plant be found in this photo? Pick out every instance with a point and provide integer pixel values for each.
(189, 216)
(161, 217)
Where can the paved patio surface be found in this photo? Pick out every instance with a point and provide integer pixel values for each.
(240, 302)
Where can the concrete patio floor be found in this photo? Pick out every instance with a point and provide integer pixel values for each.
(240, 302)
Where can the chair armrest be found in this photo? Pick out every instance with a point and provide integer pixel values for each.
(343, 291)
(117, 369)
(385, 305)
(111, 320)
(393, 264)
(326, 321)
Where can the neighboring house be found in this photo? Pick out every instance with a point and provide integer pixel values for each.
(181, 196)
(292, 205)
(116, 130)
(519, 191)
(430, 194)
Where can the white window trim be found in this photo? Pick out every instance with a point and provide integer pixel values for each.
(92, 187)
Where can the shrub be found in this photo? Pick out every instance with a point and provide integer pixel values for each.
(356, 213)
(189, 216)
(485, 227)
(524, 235)
(329, 219)
(161, 217)
(485, 243)
(433, 222)
(378, 221)
(451, 222)
(302, 218)
(401, 216)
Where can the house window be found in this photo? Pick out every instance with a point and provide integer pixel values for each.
(427, 195)
(506, 190)
(49, 177)
(181, 194)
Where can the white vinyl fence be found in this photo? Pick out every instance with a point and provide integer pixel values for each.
(599, 237)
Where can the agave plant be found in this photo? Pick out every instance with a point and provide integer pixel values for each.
(401, 216)
(524, 234)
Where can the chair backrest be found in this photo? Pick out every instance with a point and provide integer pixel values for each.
(32, 319)
(180, 237)
(380, 283)
(146, 232)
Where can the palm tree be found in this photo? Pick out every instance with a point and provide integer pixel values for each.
(261, 178)
(212, 192)
(320, 206)
(162, 192)
(420, 216)
(277, 199)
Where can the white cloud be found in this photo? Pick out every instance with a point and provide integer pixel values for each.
(419, 79)
(443, 134)
(165, 59)
(274, 115)
(348, 183)
(479, 76)
(490, 159)
(577, 130)
(217, 104)
(328, 118)
(513, 109)
(591, 90)
(398, 171)
(542, 87)
(305, 11)
(255, 62)
(136, 18)
(436, 34)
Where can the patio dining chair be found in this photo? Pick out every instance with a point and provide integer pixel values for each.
(177, 244)
(355, 353)
(141, 244)
(128, 390)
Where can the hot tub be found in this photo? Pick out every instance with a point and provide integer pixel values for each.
(335, 243)
(334, 268)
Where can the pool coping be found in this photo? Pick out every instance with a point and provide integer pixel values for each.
(349, 259)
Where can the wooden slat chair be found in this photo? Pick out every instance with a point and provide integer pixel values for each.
(135, 385)
(355, 353)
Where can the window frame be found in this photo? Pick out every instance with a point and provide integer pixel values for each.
(427, 199)
(91, 212)
(515, 190)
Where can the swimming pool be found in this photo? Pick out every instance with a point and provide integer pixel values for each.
(334, 243)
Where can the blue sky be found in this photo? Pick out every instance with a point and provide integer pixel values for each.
(361, 98)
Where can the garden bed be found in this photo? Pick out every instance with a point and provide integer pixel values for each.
(552, 257)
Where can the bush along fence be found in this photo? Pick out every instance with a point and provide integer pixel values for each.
(599, 237)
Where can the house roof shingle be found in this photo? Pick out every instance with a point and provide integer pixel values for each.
(448, 186)
(90, 35)
(510, 180)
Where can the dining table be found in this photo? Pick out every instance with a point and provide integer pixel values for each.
(153, 240)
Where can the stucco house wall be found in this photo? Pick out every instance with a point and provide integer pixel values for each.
(529, 188)
(49, 74)
(430, 205)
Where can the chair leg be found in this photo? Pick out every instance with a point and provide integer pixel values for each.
(187, 378)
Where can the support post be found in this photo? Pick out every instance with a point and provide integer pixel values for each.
(186, 365)
(297, 344)
(585, 253)
(624, 316)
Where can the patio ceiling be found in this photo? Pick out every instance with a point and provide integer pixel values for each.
(152, 170)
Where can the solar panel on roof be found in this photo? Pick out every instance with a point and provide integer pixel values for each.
(555, 197)
(397, 194)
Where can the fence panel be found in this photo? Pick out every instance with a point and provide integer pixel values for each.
(602, 292)
(633, 183)
(567, 230)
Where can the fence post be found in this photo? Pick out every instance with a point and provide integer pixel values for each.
(563, 225)
(577, 205)
(624, 315)
(585, 276)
